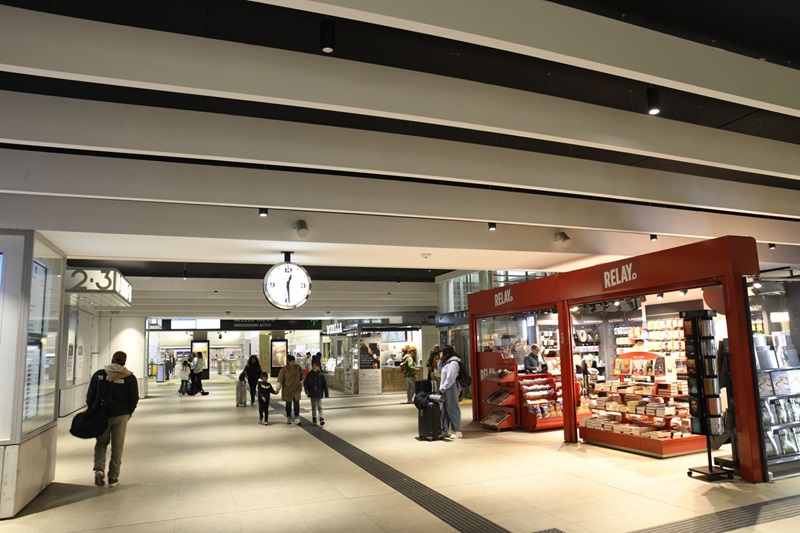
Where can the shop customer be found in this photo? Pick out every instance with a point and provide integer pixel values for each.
(253, 373)
(121, 395)
(451, 390)
(409, 368)
(533, 361)
(290, 382)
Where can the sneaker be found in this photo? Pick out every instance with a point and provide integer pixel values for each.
(112, 482)
(321, 421)
(204, 393)
(266, 423)
(314, 421)
(297, 421)
(260, 422)
(458, 435)
(444, 435)
(99, 478)
(288, 420)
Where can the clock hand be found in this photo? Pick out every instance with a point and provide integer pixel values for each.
(288, 281)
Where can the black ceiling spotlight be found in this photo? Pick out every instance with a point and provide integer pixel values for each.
(682, 292)
(653, 237)
(653, 101)
(398, 276)
(492, 226)
(327, 37)
(220, 335)
(185, 275)
(772, 246)
(263, 211)
(660, 296)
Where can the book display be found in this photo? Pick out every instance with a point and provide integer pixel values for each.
(497, 389)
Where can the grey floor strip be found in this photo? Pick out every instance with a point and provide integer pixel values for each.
(448, 511)
(747, 516)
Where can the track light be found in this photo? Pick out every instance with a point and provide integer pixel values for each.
(263, 211)
(327, 37)
(757, 283)
(220, 335)
(653, 101)
(301, 227)
(660, 296)
(563, 239)
(653, 237)
(616, 302)
(492, 226)
(682, 292)
(772, 246)
(184, 272)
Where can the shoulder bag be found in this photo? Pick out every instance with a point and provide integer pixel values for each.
(94, 420)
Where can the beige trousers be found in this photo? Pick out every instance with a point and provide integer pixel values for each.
(116, 435)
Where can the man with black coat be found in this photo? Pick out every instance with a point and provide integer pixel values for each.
(120, 395)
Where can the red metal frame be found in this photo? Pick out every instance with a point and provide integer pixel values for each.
(725, 261)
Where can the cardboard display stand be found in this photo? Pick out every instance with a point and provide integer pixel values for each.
(724, 261)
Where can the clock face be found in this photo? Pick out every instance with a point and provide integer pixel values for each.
(287, 285)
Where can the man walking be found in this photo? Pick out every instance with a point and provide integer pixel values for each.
(120, 395)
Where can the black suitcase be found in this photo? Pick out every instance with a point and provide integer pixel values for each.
(423, 385)
(430, 422)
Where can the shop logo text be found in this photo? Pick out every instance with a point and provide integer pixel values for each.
(619, 275)
(503, 297)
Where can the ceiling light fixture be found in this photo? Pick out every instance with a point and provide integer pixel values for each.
(263, 211)
(653, 237)
(492, 226)
(563, 239)
(301, 227)
(682, 292)
(327, 36)
(772, 246)
(616, 302)
(398, 276)
(757, 283)
(660, 296)
(185, 275)
(653, 101)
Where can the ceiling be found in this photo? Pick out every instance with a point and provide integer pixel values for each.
(145, 135)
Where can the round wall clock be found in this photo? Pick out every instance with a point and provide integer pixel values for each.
(287, 285)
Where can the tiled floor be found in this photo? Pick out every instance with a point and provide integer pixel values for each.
(201, 464)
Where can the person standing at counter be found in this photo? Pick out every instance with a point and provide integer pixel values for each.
(533, 361)
(409, 368)
(451, 390)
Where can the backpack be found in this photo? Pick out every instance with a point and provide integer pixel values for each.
(463, 378)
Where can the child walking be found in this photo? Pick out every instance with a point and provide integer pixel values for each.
(264, 390)
(316, 386)
(186, 370)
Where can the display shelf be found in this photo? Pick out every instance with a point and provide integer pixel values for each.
(531, 416)
(780, 396)
(782, 459)
(489, 364)
(779, 369)
(661, 448)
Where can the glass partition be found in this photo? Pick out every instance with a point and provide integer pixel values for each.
(41, 355)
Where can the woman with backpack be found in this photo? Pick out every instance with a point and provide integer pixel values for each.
(450, 388)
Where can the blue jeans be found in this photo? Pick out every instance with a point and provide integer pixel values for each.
(451, 414)
(296, 404)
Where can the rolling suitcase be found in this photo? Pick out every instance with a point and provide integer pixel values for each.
(241, 393)
(430, 422)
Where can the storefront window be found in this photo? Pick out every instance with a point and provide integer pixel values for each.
(41, 357)
(774, 324)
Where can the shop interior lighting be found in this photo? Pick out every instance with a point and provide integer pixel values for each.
(616, 302)
(653, 237)
(574, 309)
(185, 275)
(682, 292)
(263, 211)
(653, 101)
(757, 283)
(563, 239)
(772, 246)
(327, 36)
(492, 226)
(660, 296)
(398, 276)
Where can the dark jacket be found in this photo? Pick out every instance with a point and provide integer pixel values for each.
(315, 385)
(121, 389)
(253, 372)
(264, 389)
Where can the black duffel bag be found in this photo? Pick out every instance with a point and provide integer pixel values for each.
(94, 420)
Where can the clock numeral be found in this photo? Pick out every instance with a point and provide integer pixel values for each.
(302, 285)
(288, 269)
(271, 283)
(287, 300)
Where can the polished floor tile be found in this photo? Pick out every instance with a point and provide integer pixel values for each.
(202, 464)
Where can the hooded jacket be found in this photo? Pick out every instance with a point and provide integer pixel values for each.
(450, 373)
(121, 389)
(315, 384)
